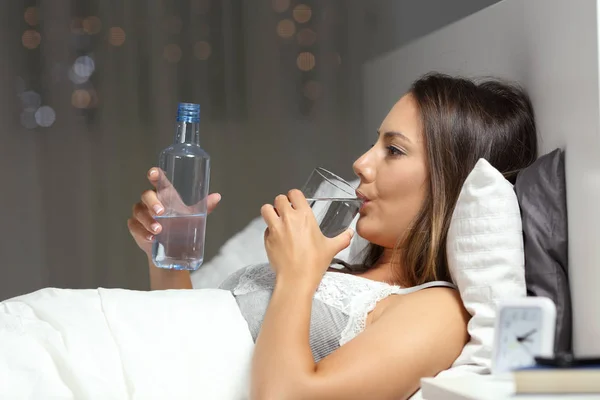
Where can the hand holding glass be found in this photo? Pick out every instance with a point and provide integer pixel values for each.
(333, 201)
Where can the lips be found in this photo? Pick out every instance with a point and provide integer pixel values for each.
(365, 200)
(362, 196)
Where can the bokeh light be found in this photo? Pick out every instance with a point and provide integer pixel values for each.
(31, 39)
(116, 36)
(76, 79)
(172, 53)
(281, 5)
(45, 116)
(202, 50)
(306, 37)
(82, 69)
(312, 90)
(173, 25)
(31, 16)
(92, 25)
(81, 98)
(31, 99)
(305, 61)
(286, 28)
(28, 118)
(302, 13)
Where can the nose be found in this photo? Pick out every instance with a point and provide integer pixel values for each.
(364, 167)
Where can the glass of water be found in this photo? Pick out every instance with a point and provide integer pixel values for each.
(333, 201)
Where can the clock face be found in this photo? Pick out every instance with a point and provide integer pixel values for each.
(519, 337)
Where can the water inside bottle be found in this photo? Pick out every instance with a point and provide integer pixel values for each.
(180, 244)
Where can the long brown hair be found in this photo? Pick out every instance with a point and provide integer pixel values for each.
(462, 121)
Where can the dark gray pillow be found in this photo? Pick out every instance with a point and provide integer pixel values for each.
(541, 191)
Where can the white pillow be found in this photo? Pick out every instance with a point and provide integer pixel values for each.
(485, 257)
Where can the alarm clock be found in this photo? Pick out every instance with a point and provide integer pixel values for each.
(524, 329)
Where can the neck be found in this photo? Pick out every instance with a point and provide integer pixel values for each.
(386, 257)
(383, 270)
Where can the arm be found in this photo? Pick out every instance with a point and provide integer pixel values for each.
(162, 279)
(416, 335)
(282, 356)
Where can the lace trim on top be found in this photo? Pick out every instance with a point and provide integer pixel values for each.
(362, 306)
(366, 303)
(353, 295)
(254, 278)
(340, 290)
(337, 290)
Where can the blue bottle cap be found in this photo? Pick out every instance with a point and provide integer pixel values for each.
(188, 112)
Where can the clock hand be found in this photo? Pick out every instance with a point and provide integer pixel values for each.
(526, 336)
(526, 349)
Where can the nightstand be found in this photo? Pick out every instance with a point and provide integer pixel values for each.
(483, 387)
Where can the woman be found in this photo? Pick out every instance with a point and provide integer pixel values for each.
(372, 332)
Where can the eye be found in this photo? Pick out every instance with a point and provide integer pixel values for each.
(394, 151)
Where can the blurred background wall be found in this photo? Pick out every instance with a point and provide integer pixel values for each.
(89, 91)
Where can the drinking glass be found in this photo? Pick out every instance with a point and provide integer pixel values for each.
(333, 201)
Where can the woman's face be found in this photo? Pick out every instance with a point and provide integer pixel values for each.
(393, 176)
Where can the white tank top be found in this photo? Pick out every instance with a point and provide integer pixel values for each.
(340, 305)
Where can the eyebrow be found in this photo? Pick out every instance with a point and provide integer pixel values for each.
(391, 134)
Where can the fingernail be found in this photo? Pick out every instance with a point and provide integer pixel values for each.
(153, 172)
(157, 209)
(150, 238)
(155, 227)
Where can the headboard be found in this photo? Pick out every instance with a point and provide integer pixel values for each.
(551, 48)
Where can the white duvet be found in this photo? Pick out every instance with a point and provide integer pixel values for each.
(123, 344)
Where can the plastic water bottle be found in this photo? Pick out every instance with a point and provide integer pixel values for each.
(183, 191)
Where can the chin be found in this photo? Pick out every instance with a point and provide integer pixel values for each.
(371, 230)
(366, 229)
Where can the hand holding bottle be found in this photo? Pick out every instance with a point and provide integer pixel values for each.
(142, 225)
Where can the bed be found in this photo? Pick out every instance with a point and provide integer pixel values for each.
(530, 41)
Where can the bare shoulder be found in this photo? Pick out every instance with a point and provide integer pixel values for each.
(440, 297)
(430, 314)
(436, 303)
(411, 336)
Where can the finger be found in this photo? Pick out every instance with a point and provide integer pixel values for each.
(157, 178)
(298, 200)
(282, 204)
(166, 192)
(212, 201)
(141, 213)
(269, 215)
(150, 199)
(138, 231)
(341, 241)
